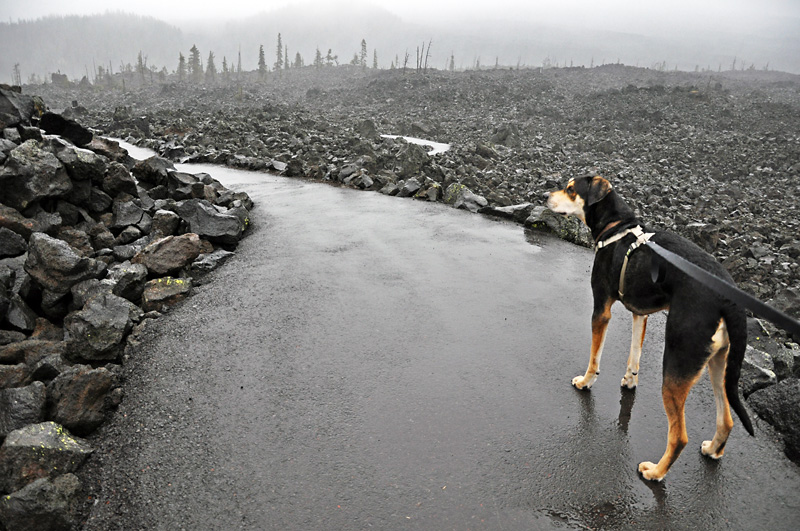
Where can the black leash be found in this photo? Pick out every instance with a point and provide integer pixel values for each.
(724, 288)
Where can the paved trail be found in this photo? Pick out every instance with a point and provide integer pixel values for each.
(372, 362)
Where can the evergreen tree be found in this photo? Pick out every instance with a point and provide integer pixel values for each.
(211, 69)
(226, 74)
(195, 68)
(298, 60)
(330, 59)
(286, 57)
(181, 67)
(262, 63)
(279, 55)
(375, 59)
(363, 57)
(318, 58)
(140, 66)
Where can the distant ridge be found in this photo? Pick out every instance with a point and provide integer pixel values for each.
(77, 45)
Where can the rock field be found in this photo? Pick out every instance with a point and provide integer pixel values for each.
(92, 244)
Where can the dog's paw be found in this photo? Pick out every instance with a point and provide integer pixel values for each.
(707, 450)
(580, 382)
(649, 472)
(630, 381)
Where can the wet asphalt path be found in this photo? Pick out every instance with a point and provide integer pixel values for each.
(373, 362)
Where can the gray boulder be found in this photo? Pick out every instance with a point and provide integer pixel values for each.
(96, 332)
(56, 266)
(570, 228)
(39, 451)
(31, 174)
(165, 292)
(206, 263)
(208, 222)
(81, 164)
(44, 505)
(21, 406)
(79, 397)
(118, 179)
(19, 315)
(777, 405)
(129, 280)
(169, 254)
(15, 108)
(165, 223)
(518, 213)
(758, 371)
(409, 188)
(410, 160)
(11, 243)
(109, 149)
(11, 219)
(459, 196)
(128, 213)
(14, 375)
(154, 170)
(55, 124)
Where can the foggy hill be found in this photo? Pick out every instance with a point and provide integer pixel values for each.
(76, 45)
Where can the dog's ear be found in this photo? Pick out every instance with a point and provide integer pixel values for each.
(598, 190)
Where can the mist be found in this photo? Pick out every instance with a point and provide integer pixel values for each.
(684, 35)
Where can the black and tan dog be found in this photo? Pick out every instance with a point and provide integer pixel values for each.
(703, 329)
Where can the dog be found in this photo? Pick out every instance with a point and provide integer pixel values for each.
(703, 329)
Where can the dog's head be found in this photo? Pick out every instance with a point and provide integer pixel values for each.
(579, 194)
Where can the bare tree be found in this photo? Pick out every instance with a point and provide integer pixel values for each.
(427, 56)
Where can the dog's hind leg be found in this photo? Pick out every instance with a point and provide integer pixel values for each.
(631, 378)
(720, 347)
(674, 393)
(600, 318)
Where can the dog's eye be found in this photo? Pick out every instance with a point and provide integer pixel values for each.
(570, 191)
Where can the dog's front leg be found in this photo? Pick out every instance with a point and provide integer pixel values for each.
(631, 378)
(600, 318)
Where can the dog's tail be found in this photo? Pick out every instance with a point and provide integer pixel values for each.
(736, 323)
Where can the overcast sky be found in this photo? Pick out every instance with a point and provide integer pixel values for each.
(638, 16)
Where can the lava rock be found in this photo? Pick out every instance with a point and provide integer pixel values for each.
(39, 451)
(154, 170)
(15, 108)
(208, 222)
(12, 220)
(462, 197)
(206, 263)
(566, 228)
(129, 280)
(117, 180)
(757, 373)
(55, 124)
(21, 406)
(170, 254)
(165, 292)
(96, 332)
(44, 505)
(165, 223)
(31, 174)
(81, 164)
(777, 405)
(11, 243)
(56, 266)
(79, 397)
